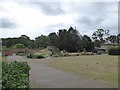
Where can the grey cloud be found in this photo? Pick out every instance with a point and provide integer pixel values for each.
(85, 20)
(7, 23)
(98, 21)
(90, 21)
(50, 8)
(91, 8)
(88, 16)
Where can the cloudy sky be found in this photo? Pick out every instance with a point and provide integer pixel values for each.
(36, 18)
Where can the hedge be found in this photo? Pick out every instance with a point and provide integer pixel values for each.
(15, 75)
(114, 50)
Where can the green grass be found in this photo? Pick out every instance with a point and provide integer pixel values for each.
(103, 68)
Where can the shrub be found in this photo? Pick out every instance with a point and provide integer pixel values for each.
(5, 48)
(19, 45)
(114, 50)
(21, 53)
(38, 56)
(35, 56)
(15, 75)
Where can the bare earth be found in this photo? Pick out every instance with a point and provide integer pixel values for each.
(42, 76)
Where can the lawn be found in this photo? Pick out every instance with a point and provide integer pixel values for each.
(103, 68)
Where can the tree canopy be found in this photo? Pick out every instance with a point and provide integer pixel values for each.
(65, 39)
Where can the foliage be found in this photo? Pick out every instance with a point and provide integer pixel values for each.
(112, 39)
(19, 45)
(65, 39)
(87, 43)
(35, 56)
(5, 48)
(114, 51)
(68, 40)
(118, 38)
(21, 53)
(41, 41)
(53, 39)
(15, 75)
(9, 42)
(99, 36)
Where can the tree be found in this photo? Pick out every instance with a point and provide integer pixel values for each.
(25, 37)
(31, 44)
(4, 48)
(53, 39)
(99, 36)
(118, 38)
(41, 41)
(9, 42)
(24, 40)
(112, 38)
(74, 40)
(63, 39)
(87, 43)
(70, 40)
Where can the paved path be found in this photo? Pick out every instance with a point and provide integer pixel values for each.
(42, 76)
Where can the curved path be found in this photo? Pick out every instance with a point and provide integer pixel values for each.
(42, 76)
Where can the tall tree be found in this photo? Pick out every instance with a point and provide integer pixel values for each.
(87, 43)
(98, 36)
(74, 40)
(70, 40)
(41, 41)
(63, 39)
(53, 39)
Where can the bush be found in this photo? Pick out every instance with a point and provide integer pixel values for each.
(38, 56)
(4, 48)
(114, 51)
(35, 56)
(21, 53)
(15, 75)
(19, 45)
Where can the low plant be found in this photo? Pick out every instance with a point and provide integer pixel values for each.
(21, 53)
(15, 75)
(36, 56)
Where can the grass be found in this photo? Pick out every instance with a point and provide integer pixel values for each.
(103, 68)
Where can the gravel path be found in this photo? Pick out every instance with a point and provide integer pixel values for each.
(42, 76)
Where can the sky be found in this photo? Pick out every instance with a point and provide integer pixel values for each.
(33, 17)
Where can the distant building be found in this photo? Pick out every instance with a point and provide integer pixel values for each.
(105, 46)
